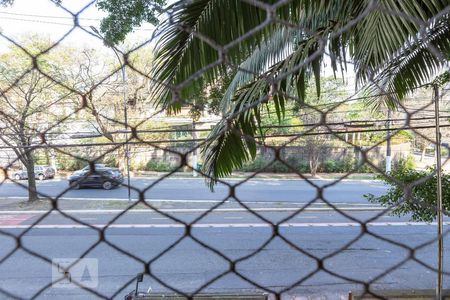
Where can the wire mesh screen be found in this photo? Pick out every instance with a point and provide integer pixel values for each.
(278, 148)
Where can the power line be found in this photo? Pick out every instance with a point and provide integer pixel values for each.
(144, 142)
(58, 23)
(351, 123)
(47, 16)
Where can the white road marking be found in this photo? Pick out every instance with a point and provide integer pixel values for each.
(239, 179)
(218, 225)
(191, 210)
(118, 199)
(194, 201)
(233, 218)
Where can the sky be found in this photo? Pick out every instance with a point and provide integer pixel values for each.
(46, 18)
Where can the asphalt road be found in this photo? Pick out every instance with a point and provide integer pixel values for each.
(287, 261)
(293, 191)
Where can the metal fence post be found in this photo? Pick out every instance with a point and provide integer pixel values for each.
(388, 144)
(440, 258)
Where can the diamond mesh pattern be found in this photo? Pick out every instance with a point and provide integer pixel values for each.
(325, 122)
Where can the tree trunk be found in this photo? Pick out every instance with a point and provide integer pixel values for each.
(424, 150)
(313, 164)
(32, 190)
(121, 159)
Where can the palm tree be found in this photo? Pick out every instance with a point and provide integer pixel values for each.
(272, 48)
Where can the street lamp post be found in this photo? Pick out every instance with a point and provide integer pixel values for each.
(124, 93)
(388, 144)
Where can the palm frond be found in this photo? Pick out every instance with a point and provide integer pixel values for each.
(383, 41)
(232, 142)
(378, 37)
(280, 45)
(414, 65)
(187, 46)
(184, 49)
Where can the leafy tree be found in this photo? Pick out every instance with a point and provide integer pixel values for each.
(123, 16)
(30, 100)
(101, 82)
(421, 201)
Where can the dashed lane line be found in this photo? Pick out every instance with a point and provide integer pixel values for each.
(195, 210)
(218, 225)
(195, 201)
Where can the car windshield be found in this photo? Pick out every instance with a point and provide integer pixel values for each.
(97, 166)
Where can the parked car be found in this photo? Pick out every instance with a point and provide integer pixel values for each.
(40, 172)
(97, 166)
(105, 178)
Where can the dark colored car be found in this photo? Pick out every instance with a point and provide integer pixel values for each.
(105, 178)
(97, 166)
(40, 172)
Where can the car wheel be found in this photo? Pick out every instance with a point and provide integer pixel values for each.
(107, 185)
(74, 185)
(41, 177)
(17, 177)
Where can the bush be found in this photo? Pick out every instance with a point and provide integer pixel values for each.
(408, 163)
(71, 164)
(135, 166)
(257, 164)
(111, 161)
(366, 168)
(158, 166)
(338, 166)
(330, 166)
(422, 202)
(266, 165)
(303, 167)
(278, 167)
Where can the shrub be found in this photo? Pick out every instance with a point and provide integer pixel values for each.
(408, 163)
(137, 166)
(338, 166)
(278, 167)
(158, 166)
(266, 165)
(330, 166)
(366, 168)
(422, 202)
(71, 164)
(257, 164)
(303, 167)
(111, 161)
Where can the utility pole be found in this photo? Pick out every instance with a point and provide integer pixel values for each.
(388, 144)
(440, 220)
(124, 94)
(195, 152)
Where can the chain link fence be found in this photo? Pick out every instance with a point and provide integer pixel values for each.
(74, 108)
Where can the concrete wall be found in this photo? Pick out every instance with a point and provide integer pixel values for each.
(376, 155)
